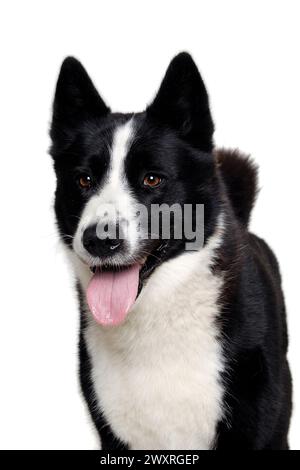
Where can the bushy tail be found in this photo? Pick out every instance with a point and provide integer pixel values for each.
(240, 176)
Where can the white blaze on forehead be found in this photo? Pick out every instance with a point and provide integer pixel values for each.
(122, 140)
(114, 198)
(116, 190)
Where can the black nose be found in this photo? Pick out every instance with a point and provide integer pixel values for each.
(100, 247)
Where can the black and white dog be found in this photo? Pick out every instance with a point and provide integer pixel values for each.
(179, 349)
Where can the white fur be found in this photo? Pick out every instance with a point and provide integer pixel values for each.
(157, 376)
(114, 194)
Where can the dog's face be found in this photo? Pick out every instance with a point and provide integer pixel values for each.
(110, 167)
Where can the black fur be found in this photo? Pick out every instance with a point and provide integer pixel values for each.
(175, 137)
(239, 174)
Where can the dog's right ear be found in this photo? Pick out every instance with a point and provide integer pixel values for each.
(182, 103)
(76, 101)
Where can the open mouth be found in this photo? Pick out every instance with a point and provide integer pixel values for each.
(113, 290)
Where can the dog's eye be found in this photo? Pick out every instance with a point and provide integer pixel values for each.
(85, 181)
(152, 180)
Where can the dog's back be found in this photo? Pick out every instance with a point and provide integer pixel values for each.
(259, 387)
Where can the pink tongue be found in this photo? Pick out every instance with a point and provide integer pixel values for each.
(110, 295)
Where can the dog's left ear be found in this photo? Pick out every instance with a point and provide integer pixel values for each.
(76, 102)
(182, 103)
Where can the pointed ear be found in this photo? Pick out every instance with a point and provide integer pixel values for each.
(182, 103)
(76, 100)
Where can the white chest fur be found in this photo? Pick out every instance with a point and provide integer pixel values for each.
(157, 376)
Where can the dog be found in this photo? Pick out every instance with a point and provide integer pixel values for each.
(178, 349)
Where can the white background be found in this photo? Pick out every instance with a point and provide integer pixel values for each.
(248, 53)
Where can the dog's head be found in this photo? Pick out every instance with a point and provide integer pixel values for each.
(113, 168)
